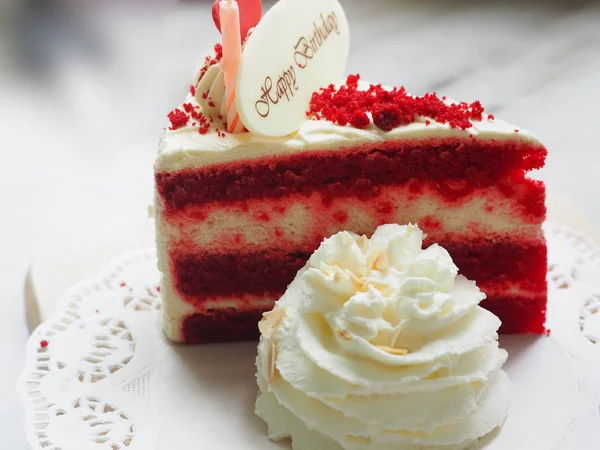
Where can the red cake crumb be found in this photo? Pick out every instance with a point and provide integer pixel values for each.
(353, 80)
(388, 108)
(491, 117)
(343, 118)
(360, 119)
(387, 117)
(44, 343)
(193, 89)
(195, 113)
(122, 284)
(178, 119)
(476, 110)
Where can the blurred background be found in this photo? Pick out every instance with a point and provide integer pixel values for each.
(86, 85)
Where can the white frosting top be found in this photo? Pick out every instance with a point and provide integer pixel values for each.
(186, 148)
(379, 344)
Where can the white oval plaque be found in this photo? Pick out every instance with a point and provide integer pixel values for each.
(298, 47)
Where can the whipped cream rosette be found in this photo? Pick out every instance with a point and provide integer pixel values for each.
(380, 344)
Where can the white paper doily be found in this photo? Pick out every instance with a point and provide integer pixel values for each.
(108, 380)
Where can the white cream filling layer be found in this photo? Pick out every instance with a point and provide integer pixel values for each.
(230, 226)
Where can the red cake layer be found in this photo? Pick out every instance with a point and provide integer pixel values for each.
(518, 315)
(482, 260)
(198, 277)
(460, 165)
(205, 275)
(224, 325)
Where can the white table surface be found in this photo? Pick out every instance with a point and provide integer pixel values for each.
(81, 115)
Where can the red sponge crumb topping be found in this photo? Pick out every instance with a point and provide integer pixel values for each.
(44, 344)
(181, 118)
(389, 108)
(178, 119)
(360, 119)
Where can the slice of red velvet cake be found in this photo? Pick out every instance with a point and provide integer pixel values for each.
(237, 215)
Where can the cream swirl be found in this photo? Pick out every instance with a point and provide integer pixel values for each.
(379, 344)
(210, 92)
(209, 83)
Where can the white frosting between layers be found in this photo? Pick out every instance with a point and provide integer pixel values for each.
(186, 148)
(339, 386)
